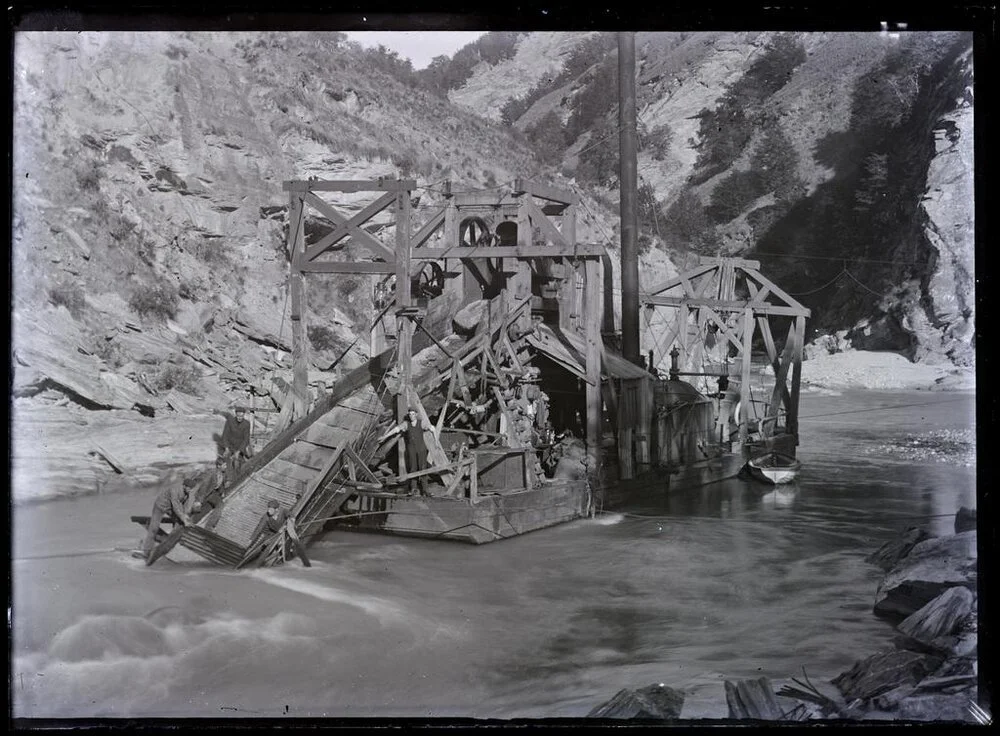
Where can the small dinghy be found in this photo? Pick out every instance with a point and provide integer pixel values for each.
(773, 467)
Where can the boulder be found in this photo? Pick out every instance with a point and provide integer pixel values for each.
(965, 520)
(937, 707)
(884, 672)
(654, 701)
(890, 553)
(754, 699)
(467, 320)
(931, 567)
(941, 618)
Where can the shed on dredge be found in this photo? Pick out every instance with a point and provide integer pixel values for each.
(488, 322)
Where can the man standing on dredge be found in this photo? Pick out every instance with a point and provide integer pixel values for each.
(416, 448)
(236, 445)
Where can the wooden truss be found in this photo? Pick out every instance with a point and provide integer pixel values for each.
(705, 298)
(546, 235)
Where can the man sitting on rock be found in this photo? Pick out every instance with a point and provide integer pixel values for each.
(236, 445)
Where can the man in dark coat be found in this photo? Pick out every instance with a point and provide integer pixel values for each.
(236, 444)
(274, 520)
(416, 448)
(208, 493)
(173, 498)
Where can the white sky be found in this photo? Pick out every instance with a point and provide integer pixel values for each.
(420, 47)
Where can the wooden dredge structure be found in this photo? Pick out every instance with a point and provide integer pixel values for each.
(493, 394)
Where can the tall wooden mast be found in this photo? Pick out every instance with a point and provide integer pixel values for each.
(628, 182)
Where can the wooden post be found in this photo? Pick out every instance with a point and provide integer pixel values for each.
(519, 287)
(592, 325)
(683, 315)
(642, 423)
(296, 285)
(792, 424)
(628, 194)
(663, 439)
(404, 326)
(745, 402)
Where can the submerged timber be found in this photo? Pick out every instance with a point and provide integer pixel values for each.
(491, 329)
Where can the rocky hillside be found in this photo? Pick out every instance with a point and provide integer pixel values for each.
(842, 161)
(149, 228)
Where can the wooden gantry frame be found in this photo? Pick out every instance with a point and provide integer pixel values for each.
(544, 246)
(706, 296)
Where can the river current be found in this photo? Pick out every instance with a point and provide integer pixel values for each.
(733, 580)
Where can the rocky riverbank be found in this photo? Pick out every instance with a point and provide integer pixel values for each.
(930, 673)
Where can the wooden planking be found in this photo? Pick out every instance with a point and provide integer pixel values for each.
(304, 453)
(283, 480)
(280, 463)
(293, 470)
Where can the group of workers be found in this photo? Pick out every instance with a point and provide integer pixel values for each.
(192, 499)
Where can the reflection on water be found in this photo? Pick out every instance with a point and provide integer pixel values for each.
(736, 579)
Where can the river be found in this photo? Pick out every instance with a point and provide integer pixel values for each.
(732, 580)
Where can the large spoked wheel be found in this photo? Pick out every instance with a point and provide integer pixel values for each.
(474, 232)
(429, 282)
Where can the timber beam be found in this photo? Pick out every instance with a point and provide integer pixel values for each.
(582, 250)
(726, 306)
(364, 267)
(377, 185)
(543, 191)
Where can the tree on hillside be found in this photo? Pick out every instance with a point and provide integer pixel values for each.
(599, 159)
(547, 137)
(594, 101)
(685, 222)
(725, 131)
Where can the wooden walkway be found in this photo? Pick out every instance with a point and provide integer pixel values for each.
(307, 470)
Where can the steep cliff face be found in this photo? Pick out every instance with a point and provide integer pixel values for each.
(811, 152)
(948, 204)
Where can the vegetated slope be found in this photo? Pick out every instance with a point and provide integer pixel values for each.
(149, 229)
(803, 150)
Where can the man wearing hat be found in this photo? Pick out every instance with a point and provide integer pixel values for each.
(208, 493)
(274, 520)
(236, 437)
(415, 446)
(173, 497)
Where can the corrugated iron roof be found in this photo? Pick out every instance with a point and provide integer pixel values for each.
(569, 350)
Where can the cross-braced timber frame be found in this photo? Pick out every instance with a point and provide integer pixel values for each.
(540, 240)
(705, 296)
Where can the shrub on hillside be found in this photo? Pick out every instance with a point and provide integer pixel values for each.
(685, 221)
(183, 377)
(68, 294)
(109, 350)
(658, 141)
(322, 337)
(593, 101)
(547, 137)
(733, 194)
(776, 163)
(159, 300)
(599, 159)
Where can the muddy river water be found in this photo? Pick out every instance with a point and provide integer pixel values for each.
(733, 580)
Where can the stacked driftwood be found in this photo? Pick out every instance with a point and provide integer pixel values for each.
(930, 674)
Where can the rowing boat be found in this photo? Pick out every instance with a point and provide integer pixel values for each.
(773, 467)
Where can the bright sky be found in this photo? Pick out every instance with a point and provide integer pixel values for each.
(420, 47)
